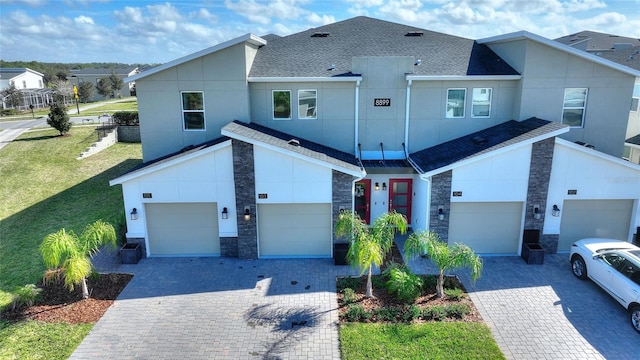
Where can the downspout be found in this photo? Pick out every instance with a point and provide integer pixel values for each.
(427, 179)
(406, 117)
(356, 114)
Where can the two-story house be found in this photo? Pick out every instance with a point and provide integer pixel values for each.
(254, 146)
(94, 75)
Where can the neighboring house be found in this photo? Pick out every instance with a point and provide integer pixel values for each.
(253, 147)
(30, 85)
(624, 51)
(94, 75)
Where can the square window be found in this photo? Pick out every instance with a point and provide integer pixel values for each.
(574, 105)
(281, 104)
(456, 103)
(193, 110)
(307, 101)
(481, 102)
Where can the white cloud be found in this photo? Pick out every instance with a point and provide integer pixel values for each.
(204, 14)
(318, 20)
(83, 20)
(263, 13)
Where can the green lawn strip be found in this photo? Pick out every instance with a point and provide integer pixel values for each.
(128, 105)
(44, 189)
(433, 340)
(36, 340)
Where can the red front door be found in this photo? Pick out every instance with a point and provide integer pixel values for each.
(362, 196)
(400, 197)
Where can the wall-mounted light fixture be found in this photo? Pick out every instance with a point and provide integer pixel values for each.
(441, 213)
(536, 212)
(377, 186)
(134, 214)
(384, 186)
(555, 211)
(225, 213)
(247, 213)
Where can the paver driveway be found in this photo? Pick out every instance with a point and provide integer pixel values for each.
(221, 308)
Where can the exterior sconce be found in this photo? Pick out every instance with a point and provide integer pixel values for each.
(377, 186)
(225, 213)
(440, 213)
(384, 186)
(247, 213)
(134, 214)
(555, 211)
(536, 212)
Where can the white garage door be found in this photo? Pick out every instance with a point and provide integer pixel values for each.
(294, 230)
(488, 228)
(594, 218)
(183, 229)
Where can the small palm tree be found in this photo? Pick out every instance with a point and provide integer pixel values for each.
(369, 245)
(64, 253)
(444, 257)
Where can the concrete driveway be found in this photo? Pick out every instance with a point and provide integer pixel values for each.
(221, 308)
(544, 312)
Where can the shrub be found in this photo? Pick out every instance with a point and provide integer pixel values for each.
(356, 313)
(349, 296)
(451, 282)
(454, 294)
(387, 314)
(129, 118)
(348, 282)
(436, 313)
(411, 313)
(404, 284)
(457, 311)
(429, 281)
(8, 112)
(25, 296)
(386, 274)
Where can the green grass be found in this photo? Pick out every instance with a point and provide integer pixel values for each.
(433, 340)
(131, 104)
(35, 340)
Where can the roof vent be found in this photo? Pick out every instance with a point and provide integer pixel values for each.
(478, 140)
(320, 34)
(294, 142)
(414, 33)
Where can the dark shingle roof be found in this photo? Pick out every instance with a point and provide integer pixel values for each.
(596, 41)
(104, 71)
(305, 55)
(480, 142)
(628, 57)
(635, 140)
(298, 144)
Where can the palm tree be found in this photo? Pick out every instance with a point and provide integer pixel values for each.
(369, 245)
(444, 257)
(64, 253)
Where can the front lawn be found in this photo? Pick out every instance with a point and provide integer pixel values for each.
(431, 340)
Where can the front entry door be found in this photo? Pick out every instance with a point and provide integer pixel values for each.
(362, 195)
(400, 197)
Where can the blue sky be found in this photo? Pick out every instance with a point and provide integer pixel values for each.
(152, 31)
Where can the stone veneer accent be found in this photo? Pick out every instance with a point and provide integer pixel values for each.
(245, 185)
(440, 196)
(342, 196)
(141, 242)
(229, 246)
(538, 188)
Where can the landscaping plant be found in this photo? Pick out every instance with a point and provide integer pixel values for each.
(68, 255)
(444, 257)
(58, 117)
(369, 245)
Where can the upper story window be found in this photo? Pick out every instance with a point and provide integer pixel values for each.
(481, 102)
(193, 110)
(307, 101)
(635, 98)
(24, 84)
(574, 105)
(456, 102)
(281, 104)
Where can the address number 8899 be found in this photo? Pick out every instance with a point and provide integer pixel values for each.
(381, 102)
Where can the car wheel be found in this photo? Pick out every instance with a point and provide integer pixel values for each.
(578, 267)
(635, 317)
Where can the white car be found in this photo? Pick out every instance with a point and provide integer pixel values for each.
(615, 266)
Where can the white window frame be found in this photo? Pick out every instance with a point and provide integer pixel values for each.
(583, 107)
(315, 113)
(490, 90)
(273, 105)
(204, 118)
(635, 104)
(464, 104)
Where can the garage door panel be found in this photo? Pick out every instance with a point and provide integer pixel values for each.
(594, 218)
(183, 229)
(294, 230)
(488, 228)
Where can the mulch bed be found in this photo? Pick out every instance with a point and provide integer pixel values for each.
(382, 299)
(58, 304)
